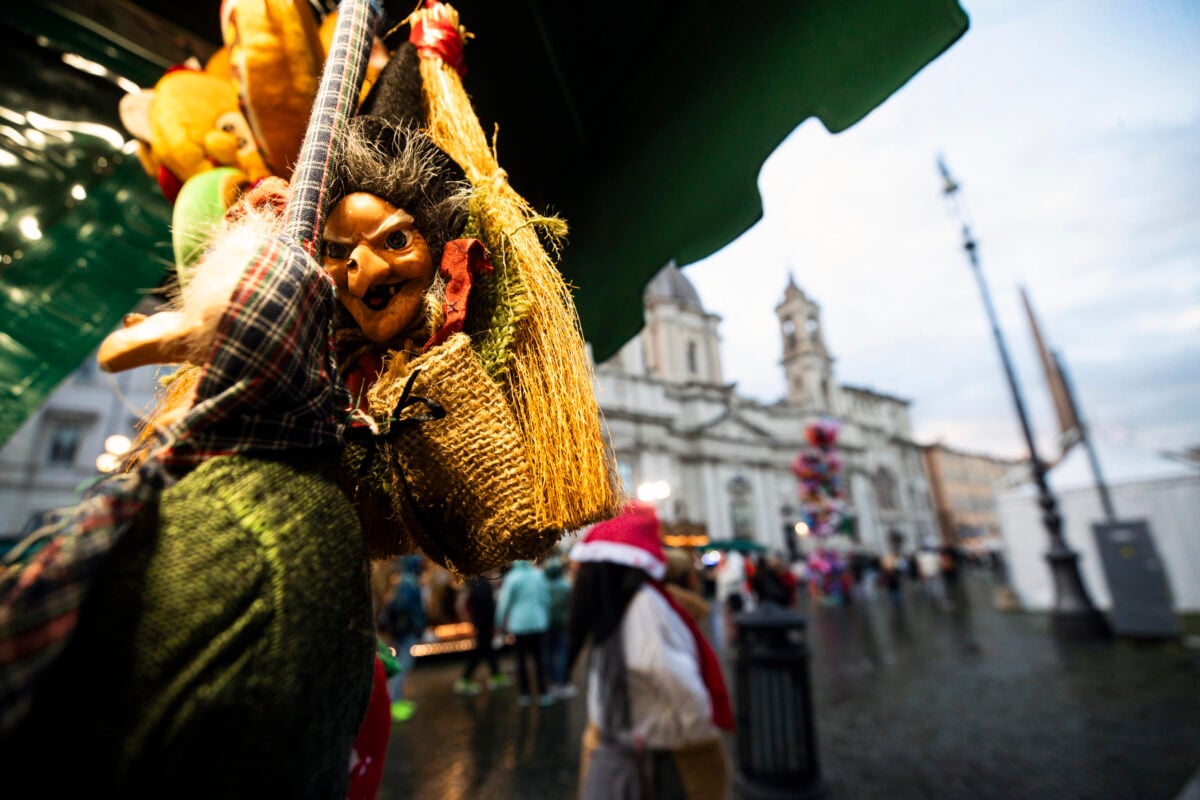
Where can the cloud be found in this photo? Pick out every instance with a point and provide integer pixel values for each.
(1075, 132)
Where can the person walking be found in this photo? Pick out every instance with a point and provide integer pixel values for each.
(656, 699)
(559, 587)
(949, 564)
(682, 583)
(403, 621)
(524, 611)
(929, 563)
(479, 605)
(891, 575)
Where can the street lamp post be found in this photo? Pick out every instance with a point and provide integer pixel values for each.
(789, 533)
(1074, 616)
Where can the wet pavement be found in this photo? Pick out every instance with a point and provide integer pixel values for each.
(914, 702)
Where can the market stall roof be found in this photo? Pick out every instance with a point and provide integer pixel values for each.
(740, 545)
(644, 126)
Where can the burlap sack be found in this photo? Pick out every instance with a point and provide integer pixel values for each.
(462, 484)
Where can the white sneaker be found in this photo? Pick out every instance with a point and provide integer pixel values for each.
(524, 701)
(567, 690)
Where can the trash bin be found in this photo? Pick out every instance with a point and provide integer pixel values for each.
(776, 734)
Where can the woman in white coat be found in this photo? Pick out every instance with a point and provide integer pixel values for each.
(657, 701)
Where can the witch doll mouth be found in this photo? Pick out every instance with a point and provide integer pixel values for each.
(377, 297)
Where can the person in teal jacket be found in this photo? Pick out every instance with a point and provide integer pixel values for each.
(524, 611)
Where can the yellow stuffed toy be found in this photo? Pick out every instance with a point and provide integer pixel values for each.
(191, 123)
(275, 57)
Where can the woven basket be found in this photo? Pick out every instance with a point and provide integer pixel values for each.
(464, 480)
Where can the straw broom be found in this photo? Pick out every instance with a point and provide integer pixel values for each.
(533, 344)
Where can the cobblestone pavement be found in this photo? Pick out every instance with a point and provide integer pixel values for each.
(915, 702)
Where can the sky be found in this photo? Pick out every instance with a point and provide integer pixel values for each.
(1073, 129)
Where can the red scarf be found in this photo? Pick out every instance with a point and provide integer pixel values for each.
(710, 668)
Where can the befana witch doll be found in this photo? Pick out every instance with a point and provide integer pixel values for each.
(492, 442)
(476, 436)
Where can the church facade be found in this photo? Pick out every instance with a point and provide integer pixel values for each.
(726, 458)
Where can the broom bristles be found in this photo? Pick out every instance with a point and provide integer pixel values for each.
(548, 378)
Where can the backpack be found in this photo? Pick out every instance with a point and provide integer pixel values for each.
(405, 612)
(560, 603)
(481, 602)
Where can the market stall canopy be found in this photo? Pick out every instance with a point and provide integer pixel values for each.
(739, 545)
(644, 126)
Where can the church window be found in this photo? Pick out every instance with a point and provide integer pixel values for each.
(811, 325)
(625, 473)
(789, 332)
(741, 508)
(693, 368)
(63, 437)
(885, 488)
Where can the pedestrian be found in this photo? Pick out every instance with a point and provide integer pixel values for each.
(890, 575)
(731, 578)
(949, 564)
(559, 588)
(930, 568)
(403, 622)
(681, 583)
(768, 584)
(479, 605)
(524, 611)
(656, 698)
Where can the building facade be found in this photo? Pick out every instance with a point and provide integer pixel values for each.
(671, 415)
(53, 455)
(964, 488)
(726, 458)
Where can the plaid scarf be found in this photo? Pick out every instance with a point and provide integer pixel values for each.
(44, 579)
(270, 385)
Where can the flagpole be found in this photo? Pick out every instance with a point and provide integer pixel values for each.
(1074, 616)
(1084, 436)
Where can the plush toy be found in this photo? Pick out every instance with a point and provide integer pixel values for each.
(190, 122)
(218, 64)
(275, 57)
(221, 638)
(199, 207)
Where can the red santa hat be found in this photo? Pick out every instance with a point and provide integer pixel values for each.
(631, 538)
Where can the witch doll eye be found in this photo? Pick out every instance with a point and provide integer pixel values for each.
(397, 240)
(335, 250)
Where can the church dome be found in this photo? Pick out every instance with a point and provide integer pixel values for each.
(670, 284)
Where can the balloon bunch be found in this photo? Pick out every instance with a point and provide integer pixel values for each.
(818, 469)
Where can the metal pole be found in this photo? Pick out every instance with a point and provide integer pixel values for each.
(1101, 487)
(1074, 615)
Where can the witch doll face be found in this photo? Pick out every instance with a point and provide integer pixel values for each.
(379, 262)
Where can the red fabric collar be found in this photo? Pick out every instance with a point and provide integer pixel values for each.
(710, 668)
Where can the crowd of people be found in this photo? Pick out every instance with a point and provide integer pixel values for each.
(526, 605)
(657, 701)
(644, 616)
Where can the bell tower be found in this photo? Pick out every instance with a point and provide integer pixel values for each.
(807, 365)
